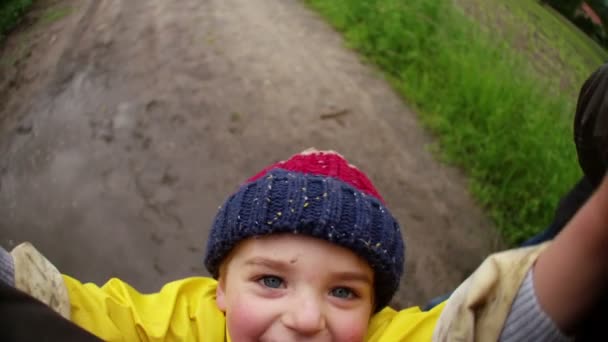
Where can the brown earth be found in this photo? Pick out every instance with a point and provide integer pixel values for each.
(127, 122)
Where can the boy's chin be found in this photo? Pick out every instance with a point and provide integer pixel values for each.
(292, 338)
(278, 334)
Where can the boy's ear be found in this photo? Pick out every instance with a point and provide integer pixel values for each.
(220, 297)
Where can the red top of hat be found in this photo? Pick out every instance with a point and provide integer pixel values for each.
(325, 163)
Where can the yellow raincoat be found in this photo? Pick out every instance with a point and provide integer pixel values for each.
(185, 310)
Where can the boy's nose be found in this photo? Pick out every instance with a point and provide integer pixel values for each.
(305, 317)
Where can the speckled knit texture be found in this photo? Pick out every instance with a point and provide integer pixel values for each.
(323, 202)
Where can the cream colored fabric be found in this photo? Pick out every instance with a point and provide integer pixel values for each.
(478, 308)
(35, 275)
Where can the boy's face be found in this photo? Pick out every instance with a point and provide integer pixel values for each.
(292, 287)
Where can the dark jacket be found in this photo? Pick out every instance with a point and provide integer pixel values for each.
(23, 318)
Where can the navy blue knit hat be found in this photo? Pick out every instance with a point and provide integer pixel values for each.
(320, 195)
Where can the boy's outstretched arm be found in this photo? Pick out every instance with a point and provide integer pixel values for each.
(572, 273)
(183, 310)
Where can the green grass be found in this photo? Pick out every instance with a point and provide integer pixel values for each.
(560, 52)
(11, 12)
(492, 114)
(22, 45)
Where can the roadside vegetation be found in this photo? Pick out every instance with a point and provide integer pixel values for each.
(11, 12)
(498, 113)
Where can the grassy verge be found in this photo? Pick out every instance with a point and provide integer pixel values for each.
(10, 13)
(492, 115)
(557, 50)
(39, 16)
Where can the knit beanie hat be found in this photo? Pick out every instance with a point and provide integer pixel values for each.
(318, 194)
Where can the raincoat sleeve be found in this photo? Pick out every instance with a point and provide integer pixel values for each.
(183, 310)
(36, 276)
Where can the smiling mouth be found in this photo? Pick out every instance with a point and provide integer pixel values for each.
(323, 338)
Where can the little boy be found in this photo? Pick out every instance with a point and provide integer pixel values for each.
(307, 250)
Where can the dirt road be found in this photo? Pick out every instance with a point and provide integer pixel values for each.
(130, 121)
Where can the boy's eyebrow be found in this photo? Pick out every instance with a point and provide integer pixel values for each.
(283, 266)
(353, 276)
(270, 263)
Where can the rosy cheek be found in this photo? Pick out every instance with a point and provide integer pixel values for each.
(247, 319)
(353, 335)
(350, 329)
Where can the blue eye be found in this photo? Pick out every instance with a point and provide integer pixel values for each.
(343, 292)
(271, 282)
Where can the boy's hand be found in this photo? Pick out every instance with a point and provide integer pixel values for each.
(572, 273)
(25, 269)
